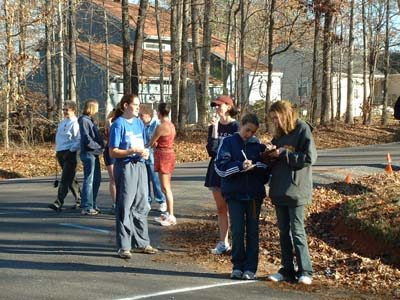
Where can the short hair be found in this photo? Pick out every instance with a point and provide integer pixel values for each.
(70, 104)
(89, 107)
(164, 108)
(146, 109)
(250, 118)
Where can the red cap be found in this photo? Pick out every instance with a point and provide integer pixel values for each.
(222, 99)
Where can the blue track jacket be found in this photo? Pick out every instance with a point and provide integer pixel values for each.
(237, 184)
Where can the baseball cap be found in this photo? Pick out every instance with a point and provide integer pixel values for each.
(222, 99)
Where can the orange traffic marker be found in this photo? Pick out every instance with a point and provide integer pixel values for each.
(389, 169)
(389, 158)
(348, 179)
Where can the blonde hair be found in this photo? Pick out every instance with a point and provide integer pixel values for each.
(89, 107)
(288, 116)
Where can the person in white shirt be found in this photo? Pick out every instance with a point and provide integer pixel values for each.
(67, 145)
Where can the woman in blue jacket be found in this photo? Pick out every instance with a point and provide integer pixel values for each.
(291, 188)
(92, 145)
(243, 176)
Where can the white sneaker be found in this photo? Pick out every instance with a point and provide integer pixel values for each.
(163, 207)
(161, 218)
(307, 280)
(277, 277)
(169, 221)
(221, 248)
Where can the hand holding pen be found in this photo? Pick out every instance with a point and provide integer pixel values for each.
(247, 163)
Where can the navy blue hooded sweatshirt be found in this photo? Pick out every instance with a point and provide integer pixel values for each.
(237, 184)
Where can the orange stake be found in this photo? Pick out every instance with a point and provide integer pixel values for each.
(348, 179)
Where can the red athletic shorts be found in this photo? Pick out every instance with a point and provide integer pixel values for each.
(164, 161)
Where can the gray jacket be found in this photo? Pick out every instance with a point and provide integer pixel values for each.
(291, 181)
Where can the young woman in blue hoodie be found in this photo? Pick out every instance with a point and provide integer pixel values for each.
(243, 176)
(291, 188)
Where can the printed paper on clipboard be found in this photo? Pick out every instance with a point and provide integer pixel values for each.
(137, 141)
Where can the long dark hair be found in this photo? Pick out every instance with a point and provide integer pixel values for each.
(128, 99)
(164, 109)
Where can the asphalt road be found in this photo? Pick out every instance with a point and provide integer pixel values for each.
(48, 255)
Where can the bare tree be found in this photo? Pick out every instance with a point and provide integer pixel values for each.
(349, 108)
(126, 41)
(366, 105)
(107, 53)
(384, 120)
(326, 66)
(176, 35)
(61, 75)
(205, 66)
(183, 102)
(201, 107)
(49, 49)
(138, 46)
(72, 49)
(160, 50)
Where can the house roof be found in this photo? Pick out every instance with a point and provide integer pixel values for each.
(217, 46)
(150, 66)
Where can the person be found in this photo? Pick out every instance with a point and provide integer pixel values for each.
(109, 161)
(164, 160)
(127, 146)
(150, 124)
(243, 176)
(67, 145)
(225, 126)
(291, 188)
(92, 145)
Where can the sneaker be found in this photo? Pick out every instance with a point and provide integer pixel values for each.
(161, 218)
(163, 207)
(221, 248)
(236, 274)
(169, 221)
(55, 206)
(248, 275)
(90, 212)
(277, 277)
(77, 205)
(147, 250)
(306, 280)
(124, 253)
(97, 209)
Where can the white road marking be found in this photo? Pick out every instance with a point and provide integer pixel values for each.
(189, 289)
(84, 227)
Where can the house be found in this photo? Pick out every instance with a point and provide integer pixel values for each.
(91, 60)
(296, 66)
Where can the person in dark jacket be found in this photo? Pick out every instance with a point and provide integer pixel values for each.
(291, 188)
(243, 176)
(222, 125)
(92, 145)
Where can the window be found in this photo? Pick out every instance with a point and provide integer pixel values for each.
(302, 87)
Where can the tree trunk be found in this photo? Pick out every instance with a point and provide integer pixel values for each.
(61, 75)
(326, 69)
(270, 65)
(49, 73)
(387, 66)
(160, 50)
(242, 79)
(366, 106)
(107, 50)
(72, 49)
(314, 86)
(183, 101)
(339, 83)
(176, 34)
(126, 40)
(205, 67)
(7, 88)
(138, 46)
(350, 99)
(225, 67)
(201, 107)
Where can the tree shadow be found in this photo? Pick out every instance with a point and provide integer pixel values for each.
(9, 174)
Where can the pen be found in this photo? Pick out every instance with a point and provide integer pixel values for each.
(244, 155)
